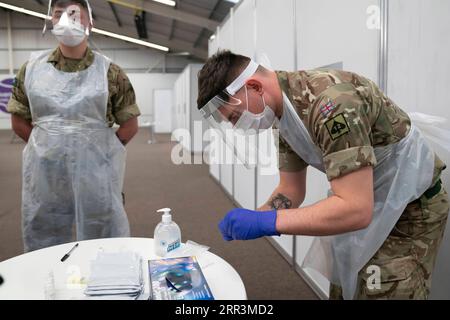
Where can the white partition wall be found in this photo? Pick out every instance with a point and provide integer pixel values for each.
(213, 44)
(186, 115)
(244, 28)
(144, 85)
(197, 123)
(316, 189)
(418, 81)
(225, 40)
(227, 176)
(275, 32)
(243, 19)
(214, 167)
(338, 31)
(326, 37)
(275, 46)
(163, 109)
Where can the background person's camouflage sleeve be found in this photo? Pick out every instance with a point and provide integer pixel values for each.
(121, 101)
(18, 103)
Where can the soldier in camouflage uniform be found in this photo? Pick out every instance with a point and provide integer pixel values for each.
(347, 116)
(64, 104)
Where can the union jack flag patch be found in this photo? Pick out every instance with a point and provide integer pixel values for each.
(326, 109)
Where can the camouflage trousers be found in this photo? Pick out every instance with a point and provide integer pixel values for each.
(406, 259)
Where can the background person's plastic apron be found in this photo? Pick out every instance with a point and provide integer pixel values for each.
(73, 164)
(404, 171)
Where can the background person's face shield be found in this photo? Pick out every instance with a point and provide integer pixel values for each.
(70, 19)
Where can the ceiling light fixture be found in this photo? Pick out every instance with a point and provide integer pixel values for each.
(167, 2)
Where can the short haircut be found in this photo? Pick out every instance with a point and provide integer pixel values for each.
(218, 73)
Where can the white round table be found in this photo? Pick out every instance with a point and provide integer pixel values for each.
(25, 276)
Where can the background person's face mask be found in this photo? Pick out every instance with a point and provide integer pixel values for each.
(252, 123)
(69, 30)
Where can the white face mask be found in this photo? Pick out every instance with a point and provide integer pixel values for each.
(251, 123)
(69, 33)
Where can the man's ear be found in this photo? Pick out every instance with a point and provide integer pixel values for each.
(256, 85)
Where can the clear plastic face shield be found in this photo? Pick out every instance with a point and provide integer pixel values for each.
(69, 23)
(225, 111)
(231, 118)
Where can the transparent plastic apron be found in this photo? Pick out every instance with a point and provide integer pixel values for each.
(403, 173)
(73, 164)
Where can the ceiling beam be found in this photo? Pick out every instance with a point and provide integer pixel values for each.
(199, 38)
(216, 5)
(172, 29)
(172, 25)
(169, 12)
(116, 15)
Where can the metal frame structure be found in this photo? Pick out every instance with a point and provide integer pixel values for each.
(383, 46)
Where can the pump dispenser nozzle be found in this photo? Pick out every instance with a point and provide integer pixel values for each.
(166, 217)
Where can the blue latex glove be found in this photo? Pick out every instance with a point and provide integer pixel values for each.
(243, 224)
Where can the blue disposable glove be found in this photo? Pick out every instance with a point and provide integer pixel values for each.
(243, 224)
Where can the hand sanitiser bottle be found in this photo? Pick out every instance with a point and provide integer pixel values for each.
(167, 234)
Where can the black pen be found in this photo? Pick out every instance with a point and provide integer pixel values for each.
(171, 285)
(68, 253)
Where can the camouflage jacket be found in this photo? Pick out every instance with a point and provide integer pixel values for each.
(346, 115)
(121, 100)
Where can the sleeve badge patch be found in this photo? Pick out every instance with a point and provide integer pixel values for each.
(337, 126)
(327, 108)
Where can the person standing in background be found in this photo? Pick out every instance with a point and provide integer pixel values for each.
(64, 104)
